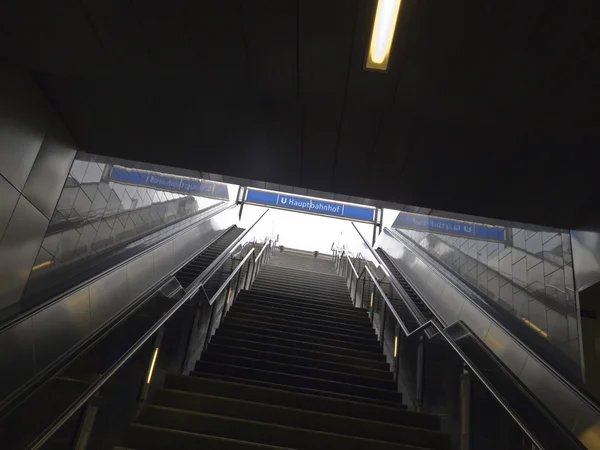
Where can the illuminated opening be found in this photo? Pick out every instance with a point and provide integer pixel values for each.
(152, 365)
(395, 346)
(383, 34)
(371, 299)
(228, 296)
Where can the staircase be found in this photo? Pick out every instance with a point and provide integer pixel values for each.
(293, 365)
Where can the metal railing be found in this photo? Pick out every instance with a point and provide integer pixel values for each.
(404, 345)
(182, 326)
(213, 300)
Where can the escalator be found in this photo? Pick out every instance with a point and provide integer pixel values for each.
(195, 267)
(418, 302)
(20, 423)
(540, 417)
(270, 349)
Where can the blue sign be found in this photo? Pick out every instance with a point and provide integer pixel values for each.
(310, 205)
(445, 226)
(172, 183)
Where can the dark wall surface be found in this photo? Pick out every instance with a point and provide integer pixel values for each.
(36, 153)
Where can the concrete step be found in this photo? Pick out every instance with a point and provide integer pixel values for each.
(308, 368)
(255, 431)
(300, 418)
(288, 379)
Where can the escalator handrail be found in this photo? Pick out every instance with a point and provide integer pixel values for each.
(220, 260)
(96, 385)
(433, 324)
(255, 259)
(191, 291)
(469, 293)
(218, 209)
(412, 308)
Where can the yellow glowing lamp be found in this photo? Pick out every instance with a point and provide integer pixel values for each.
(383, 34)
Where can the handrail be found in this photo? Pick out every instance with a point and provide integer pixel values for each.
(191, 291)
(415, 312)
(469, 292)
(230, 277)
(237, 269)
(33, 311)
(433, 324)
(262, 250)
(457, 349)
(216, 264)
(353, 269)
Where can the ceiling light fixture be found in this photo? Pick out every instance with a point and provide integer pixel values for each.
(383, 34)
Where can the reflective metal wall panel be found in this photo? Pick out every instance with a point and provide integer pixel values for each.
(140, 274)
(49, 172)
(107, 296)
(22, 126)
(452, 305)
(8, 200)
(97, 213)
(529, 276)
(479, 322)
(586, 257)
(511, 353)
(35, 155)
(18, 359)
(163, 260)
(18, 250)
(71, 319)
(61, 326)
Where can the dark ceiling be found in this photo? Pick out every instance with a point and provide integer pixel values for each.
(489, 107)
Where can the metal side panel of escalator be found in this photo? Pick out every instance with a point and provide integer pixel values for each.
(537, 391)
(40, 340)
(24, 421)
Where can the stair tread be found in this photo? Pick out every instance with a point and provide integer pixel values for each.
(305, 361)
(296, 351)
(275, 309)
(359, 325)
(337, 387)
(240, 389)
(304, 324)
(368, 355)
(213, 354)
(255, 431)
(297, 418)
(336, 334)
(304, 306)
(298, 389)
(216, 442)
(335, 341)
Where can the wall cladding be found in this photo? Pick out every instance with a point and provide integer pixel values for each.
(36, 153)
(530, 275)
(95, 215)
